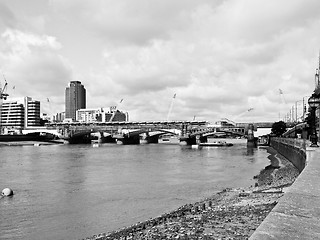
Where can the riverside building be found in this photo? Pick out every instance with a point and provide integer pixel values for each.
(75, 99)
(19, 114)
(31, 112)
(101, 115)
(59, 117)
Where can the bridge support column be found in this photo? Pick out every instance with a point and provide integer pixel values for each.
(188, 141)
(146, 138)
(202, 139)
(105, 139)
(86, 138)
(251, 140)
(126, 140)
(100, 137)
(153, 139)
(109, 139)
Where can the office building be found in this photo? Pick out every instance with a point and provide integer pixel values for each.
(59, 117)
(18, 114)
(115, 116)
(12, 116)
(100, 115)
(31, 112)
(75, 99)
(88, 115)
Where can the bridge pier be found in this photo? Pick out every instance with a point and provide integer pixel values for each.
(202, 139)
(192, 140)
(100, 137)
(153, 139)
(251, 140)
(187, 140)
(80, 139)
(126, 140)
(109, 139)
(146, 138)
(105, 139)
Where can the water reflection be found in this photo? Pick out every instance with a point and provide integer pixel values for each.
(250, 151)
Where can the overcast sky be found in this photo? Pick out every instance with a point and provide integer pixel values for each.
(220, 57)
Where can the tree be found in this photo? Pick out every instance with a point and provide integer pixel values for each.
(278, 128)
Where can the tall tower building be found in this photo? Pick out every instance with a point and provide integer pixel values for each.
(75, 99)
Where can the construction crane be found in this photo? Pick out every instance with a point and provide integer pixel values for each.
(3, 94)
(114, 111)
(113, 114)
(171, 105)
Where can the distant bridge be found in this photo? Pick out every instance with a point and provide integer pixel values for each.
(189, 132)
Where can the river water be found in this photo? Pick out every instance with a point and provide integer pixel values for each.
(76, 191)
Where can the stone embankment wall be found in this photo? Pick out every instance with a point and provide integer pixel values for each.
(293, 149)
(297, 214)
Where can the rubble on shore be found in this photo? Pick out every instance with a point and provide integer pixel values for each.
(229, 214)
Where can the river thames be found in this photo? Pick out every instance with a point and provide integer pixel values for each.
(75, 191)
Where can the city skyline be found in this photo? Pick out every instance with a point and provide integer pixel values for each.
(242, 60)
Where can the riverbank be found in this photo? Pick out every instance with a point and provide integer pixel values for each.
(230, 214)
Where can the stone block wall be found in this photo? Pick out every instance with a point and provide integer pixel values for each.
(293, 149)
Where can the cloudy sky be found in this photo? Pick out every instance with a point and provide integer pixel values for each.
(220, 57)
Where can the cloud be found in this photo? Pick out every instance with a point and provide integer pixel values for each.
(33, 65)
(220, 57)
(131, 22)
(7, 18)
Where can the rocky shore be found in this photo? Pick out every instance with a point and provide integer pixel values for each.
(230, 214)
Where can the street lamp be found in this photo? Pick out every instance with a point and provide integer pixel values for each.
(314, 102)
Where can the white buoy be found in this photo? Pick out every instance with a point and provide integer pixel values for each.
(7, 192)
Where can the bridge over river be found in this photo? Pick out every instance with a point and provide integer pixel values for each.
(188, 132)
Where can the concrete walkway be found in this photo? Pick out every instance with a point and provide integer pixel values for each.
(297, 215)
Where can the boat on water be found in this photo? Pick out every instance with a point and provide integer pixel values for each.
(216, 144)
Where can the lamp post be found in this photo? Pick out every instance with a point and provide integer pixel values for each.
(314, 102)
